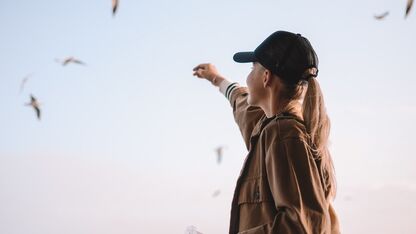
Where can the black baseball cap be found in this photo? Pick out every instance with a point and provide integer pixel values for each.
(285, 54)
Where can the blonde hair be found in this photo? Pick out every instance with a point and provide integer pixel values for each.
(318, 126)
(316, 121)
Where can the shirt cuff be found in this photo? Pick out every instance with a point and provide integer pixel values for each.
(226, 88)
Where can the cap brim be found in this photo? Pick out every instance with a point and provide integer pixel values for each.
(244, 57)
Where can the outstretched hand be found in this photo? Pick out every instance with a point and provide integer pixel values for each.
(209, 72)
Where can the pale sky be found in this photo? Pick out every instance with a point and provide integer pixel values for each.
(126, 143)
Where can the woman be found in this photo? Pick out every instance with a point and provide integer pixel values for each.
(287, 182)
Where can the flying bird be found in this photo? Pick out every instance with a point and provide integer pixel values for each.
(35, 104)
(216, 193)
(408, 7)
(24, 80)
(381, 16)
(68, 60)
(115, 5)
(219, 151)
(192, 230)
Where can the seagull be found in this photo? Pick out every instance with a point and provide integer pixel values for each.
(408, 7)
(115, 5)
(67, 60)
(219, 151)
(24, 80)
(216, 193)
(192, 230)
(35, 104)
(381, 16)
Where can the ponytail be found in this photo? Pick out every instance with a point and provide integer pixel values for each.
(318, 126)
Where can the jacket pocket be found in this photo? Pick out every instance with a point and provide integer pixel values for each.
(254, 190)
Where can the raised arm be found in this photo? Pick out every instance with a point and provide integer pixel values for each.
(246, 116)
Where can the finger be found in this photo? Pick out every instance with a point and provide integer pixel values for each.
(197, 74)
(197, 67)
(200, 66)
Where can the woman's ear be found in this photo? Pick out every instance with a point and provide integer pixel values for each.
(267, 78)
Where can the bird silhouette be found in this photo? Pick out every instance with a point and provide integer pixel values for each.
(68, 60)
(114, 6)
(216, 193)
(35, 104)
(381, 16)
(408, 7)
(24, 80)
(192, 230)
(219, 150)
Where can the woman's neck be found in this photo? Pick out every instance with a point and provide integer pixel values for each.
(274, 106)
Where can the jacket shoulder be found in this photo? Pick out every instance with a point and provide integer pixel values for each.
(283, 128)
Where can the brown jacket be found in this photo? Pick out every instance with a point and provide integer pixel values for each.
(280, 188)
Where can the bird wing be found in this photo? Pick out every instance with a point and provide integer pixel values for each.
(78, 61)
(66, 61)
(22, 84)
(219, 154)
(408, 6)
(216, 193)
(37, 111)
(115, 5)
(381, 16)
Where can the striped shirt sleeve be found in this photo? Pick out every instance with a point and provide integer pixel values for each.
(227, 87)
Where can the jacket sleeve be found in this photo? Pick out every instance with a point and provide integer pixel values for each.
(245, 116)
(296, 188)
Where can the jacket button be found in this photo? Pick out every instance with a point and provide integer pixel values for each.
(257, 194)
